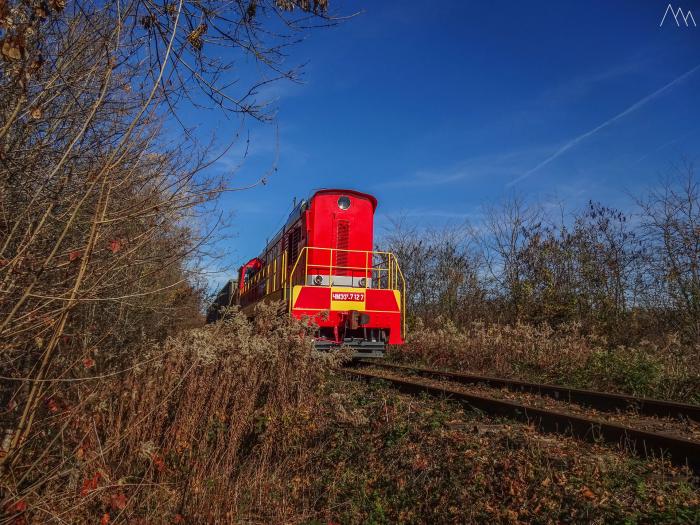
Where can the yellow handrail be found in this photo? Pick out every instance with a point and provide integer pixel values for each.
(377, 264)
(395, 278)
(330, 270)
(291, 275)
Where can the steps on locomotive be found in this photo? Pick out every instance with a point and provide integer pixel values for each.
(362, 347)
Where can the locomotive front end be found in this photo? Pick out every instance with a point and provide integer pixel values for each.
(354, 294)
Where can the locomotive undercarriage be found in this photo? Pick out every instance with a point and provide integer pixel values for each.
(366, 342)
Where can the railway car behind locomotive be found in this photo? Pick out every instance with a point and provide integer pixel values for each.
(322, 265)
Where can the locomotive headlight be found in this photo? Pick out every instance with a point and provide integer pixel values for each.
(318, 280)
(344, 202)
(362, 282)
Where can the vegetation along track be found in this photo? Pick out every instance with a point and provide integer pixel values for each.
(681, 450)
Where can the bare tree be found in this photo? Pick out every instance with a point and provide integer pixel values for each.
(104, 193)
(441, 267)
(671, 225)
(609, 259)
(506, 231)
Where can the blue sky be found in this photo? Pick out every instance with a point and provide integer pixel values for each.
(440, 108)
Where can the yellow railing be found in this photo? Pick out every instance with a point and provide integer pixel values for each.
(272, 274)
(381, 271)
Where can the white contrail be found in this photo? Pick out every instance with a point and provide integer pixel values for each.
(566, 147)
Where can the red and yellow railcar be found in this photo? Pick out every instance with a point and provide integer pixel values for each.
(322, 265)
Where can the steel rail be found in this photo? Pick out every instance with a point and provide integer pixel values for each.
(682, 451)
(604, 401)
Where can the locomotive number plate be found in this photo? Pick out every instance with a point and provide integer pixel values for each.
(348, 296)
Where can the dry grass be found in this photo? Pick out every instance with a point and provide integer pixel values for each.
(667, 369)
(421, 460)
(241, 422)
(201, 430)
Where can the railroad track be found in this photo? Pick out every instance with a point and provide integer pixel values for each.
(604, 401)
(680, 450)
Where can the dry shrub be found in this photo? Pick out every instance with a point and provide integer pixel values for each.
(200, 432)
(501, 349)
(566, 355)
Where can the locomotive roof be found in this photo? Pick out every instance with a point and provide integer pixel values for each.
(304, 203)
(371, 198)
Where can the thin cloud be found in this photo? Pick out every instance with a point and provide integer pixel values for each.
(582, 86)
(500, 165)
(667, 144)
(424, 212)
(425, 179)
(634, 107)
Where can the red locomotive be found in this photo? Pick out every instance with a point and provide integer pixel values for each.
(321, 263)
